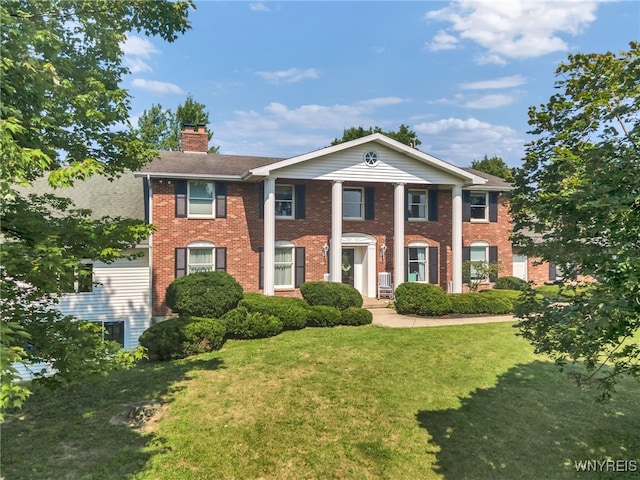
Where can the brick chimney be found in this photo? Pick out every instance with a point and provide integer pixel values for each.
(195, 138)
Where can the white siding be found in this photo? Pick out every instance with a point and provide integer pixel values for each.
(349, 164)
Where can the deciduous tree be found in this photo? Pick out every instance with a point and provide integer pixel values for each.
(64, 116)
(494, 166)
(403, 134)
(579, 193)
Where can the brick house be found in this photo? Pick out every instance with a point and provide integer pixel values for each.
(345, 213)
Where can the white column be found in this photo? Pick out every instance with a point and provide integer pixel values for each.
(398, 234)
(335, 265)
(269, 255)
(456, 239)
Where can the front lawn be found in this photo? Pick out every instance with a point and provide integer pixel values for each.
(351, 403)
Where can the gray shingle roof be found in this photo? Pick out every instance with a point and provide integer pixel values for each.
(204, 164)
(492, 180)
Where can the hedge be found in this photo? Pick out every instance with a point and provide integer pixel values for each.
(292, 312)
(204, 294)
(331, 294)
(323, 316)
(182, 336)
(509, 283)
(421, 299)
(242, 324)
(356, 316)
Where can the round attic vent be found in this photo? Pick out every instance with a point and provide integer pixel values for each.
(371, 158)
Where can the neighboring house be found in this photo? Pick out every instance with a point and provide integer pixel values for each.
(345, 213)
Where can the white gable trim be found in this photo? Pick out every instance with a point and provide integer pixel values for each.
(465, 177)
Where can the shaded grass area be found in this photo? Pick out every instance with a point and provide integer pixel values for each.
(451, 403)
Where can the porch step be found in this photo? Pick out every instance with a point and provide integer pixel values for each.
(372, 303)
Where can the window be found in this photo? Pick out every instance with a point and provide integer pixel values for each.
(114, 331)
(417, 263)
(479, 254)
(418, 205)
(78, 280)
(200, 257)
(479, 206)
(201, 196)
(284, 201)
(284, 265)
(353, 203)
(371, 159)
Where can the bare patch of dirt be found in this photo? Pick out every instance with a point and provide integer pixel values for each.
(143, 416)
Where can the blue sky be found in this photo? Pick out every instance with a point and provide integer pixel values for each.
(285, 78)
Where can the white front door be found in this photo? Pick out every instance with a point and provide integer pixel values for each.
(520, 266)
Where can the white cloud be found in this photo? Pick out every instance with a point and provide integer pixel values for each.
(381, 101)
(442, 41)
(502, 82)
(259, 7)
(490, 101)
(463, 140)
(291, 75)
(136, 50)
(157, 87)
(516, 28)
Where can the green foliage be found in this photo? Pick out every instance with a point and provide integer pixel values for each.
(182, 336)
(65, 116)
(421, 299)
(242, 324)
(323, 316)
(403, 135)
(331, 294)
(204, 294)
(494, 166)
(578, 191)
(509, 283)
(477, 273)
(356, 316)
(292, 312)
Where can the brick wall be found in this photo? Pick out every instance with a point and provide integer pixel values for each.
(195, 140)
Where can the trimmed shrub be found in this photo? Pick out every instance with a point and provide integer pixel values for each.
(509, 283)
(421, 299)
(204, 294)
(331, 294)
(292, 312)
(465, 303)
(499, 302)
(356, 316)
(323, 316)
(242, 324)
(182, 336)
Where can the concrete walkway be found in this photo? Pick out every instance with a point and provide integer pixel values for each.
(387, 317)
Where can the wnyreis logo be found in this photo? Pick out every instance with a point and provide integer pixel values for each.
(620, 466)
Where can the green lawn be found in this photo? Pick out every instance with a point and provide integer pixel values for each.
(466, 402)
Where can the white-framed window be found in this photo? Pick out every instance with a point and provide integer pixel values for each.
(417, 203)
(284, 265)
(285, 199)
(78, 280)
(201, 197)
(353, 203)
(479, 206)
(200, 257)
(478, 255)
(417, 262)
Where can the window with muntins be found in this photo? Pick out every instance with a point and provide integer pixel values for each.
(479, 206)
(353, 203)
(479, 255)
(417, 264)
(201, 198)
(418, 205)
(284, 201)
(283, 276)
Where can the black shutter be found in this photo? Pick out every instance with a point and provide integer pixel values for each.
(433, 205)
(406, 264)
(221, 259)
(493, 206)
(261, 200)
(300, 267)
(221, 200)
(466, 206)
(466, 257)
(300, 201)
(433, 265)
(406, 205)
(146, 190)
(493, 258)
(261, 268)
(181, 262)
(369, 203)
(552, 272)
(180, 189)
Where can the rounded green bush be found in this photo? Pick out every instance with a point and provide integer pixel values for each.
(509, 283)
(331, 294)
(356, 316)
(465, 303)
(323, 316)
(292, 312)
(182, 336)
(204, 294)
(421, 299)
(242, 324)
(499, 301)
